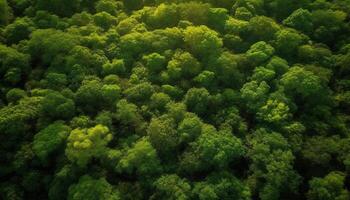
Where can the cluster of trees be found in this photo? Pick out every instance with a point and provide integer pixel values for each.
(175, 99)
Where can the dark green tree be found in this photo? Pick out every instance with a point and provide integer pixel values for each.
(171, 187)
(329, 187)
(50, 139)
(90, 188)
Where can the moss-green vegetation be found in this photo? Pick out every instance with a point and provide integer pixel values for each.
(175, 99)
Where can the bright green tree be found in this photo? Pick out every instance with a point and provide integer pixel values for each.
(183, 65)
(202, 41)
(260, 52)
(85, 144)
(154, 62)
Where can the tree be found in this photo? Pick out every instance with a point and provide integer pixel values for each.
(217, 18)
(342, 61)
(14, 118)
(11, 191)
(282, 8)
(176, 111)
(141, 158)
(254, 94)
(327, 188)
(287, 42)
(64, 9)
(218, 148)
(4, 10)
(189, 128)
(133, 4)
(169, 38)
(229, 119)
(262, 28)
(117, 66)
(256, 7)
(197, 100)
(243, 13)
(81, 121)
(50, 139)
(165, 15)
(139, 78)
(277, 65)
(195, 12)
(108, 6)
(92, 189)
(57, 106)
(159, 101)
(111, 79)
(183, 65)
(128, 113)
(319, 150)
(274, 111)
(344, 153)
(226, 69)
(18, 30)
(174, 99)
(110, 94)
(299, 81)
(154, 62)
(61, 181)
(202, 41)
(104, 20)
(105, 118)
(205, 79)
(15, 94)
(85, 144)
(163, 135)
(172, 187)
(222, 4)
(13, 64)
(212, 149)
(235, 28)
(260, 52)
(54, 81)
(49, 44)
(301, 20)
(44, 19)
(22, 159)
(87, 60)
(126, 26)
(327, 24)
(173, 91)
(89, 95)
(221, 185)
(263, 74)
(315, 54)
(272, 171)
(140, 92)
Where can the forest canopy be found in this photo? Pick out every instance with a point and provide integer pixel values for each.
(175, 99)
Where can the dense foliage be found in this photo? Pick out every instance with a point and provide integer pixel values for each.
(175, 99)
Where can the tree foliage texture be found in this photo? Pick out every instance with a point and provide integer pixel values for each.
(175, 99)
